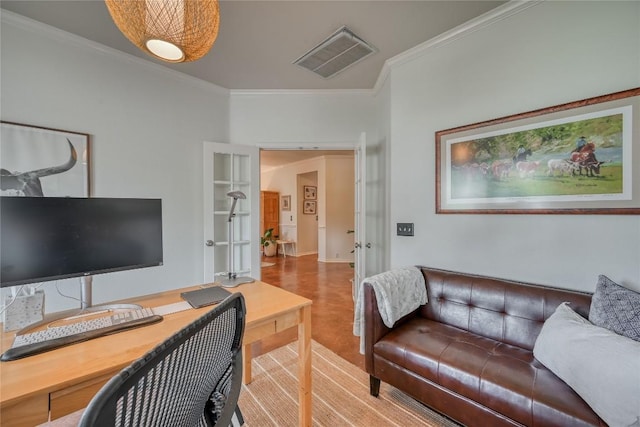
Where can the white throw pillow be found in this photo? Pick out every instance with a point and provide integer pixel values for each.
(601, 366)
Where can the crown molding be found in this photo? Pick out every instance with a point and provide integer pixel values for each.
(301, 92)
(489, 18)
(53, 33)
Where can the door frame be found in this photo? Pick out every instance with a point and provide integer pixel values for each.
(311, 146)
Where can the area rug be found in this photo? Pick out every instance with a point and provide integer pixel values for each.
(340, 394)
(267, 264)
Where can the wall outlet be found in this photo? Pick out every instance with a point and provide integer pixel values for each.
(404, 229)
(23, 311)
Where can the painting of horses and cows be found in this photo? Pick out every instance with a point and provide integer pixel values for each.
(570, 159)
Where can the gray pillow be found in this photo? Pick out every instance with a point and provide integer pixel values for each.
(598, 364)
(616, 308)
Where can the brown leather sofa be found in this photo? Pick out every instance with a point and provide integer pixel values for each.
(468, 353)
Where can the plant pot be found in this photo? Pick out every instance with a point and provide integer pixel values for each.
(270, 250)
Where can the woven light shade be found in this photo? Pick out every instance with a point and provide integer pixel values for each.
(172, 30)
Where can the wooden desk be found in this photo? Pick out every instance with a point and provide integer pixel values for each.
(64, 380)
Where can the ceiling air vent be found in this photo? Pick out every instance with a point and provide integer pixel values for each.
(341, 50)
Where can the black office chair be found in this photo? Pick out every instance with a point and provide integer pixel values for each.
(192, 379)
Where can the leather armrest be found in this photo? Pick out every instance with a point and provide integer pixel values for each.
(374, 327)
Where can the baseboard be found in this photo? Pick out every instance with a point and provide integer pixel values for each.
(305, 253)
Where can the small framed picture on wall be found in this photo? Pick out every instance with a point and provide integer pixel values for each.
(285, 203)
(309, 192)
(309, 207)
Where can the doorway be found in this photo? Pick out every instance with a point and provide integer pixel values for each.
(316, 188)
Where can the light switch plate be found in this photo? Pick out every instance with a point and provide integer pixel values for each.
(404, 229)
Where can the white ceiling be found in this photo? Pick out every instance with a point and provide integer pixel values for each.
(259, 40)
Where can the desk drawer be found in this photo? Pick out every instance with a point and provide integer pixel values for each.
(287, 321)
(270, 327)
(76, 397)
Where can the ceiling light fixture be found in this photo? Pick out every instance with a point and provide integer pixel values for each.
(172, 30)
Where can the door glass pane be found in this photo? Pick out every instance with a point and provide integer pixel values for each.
(241, 168)
(242, 230)
(241, 258)
(220, 259)
(221, 229)
(222, 167)
(220, 198)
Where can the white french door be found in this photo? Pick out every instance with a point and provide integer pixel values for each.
(231, 167)
(361, 245)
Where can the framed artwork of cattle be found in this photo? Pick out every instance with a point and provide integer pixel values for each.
(38, 161)
(574, 158)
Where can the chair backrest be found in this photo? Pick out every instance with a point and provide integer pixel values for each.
(192, 379)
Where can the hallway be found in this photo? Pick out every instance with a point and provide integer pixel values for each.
(328, 285)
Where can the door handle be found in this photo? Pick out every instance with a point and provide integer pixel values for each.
(357, 245)
(368, 245)
(209, 243)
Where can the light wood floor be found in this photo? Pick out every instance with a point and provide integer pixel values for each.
(328, 286)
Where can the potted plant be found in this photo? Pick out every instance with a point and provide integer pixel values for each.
(268, 243)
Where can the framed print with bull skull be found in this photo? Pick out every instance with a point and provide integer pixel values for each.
(38, 161)
(574, 158)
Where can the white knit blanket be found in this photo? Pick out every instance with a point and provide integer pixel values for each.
(398, 292)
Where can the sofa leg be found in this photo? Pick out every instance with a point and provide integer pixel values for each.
(374, 386)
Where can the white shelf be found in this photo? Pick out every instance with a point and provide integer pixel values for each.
(240, 213)
(220, 182)
(237, 242)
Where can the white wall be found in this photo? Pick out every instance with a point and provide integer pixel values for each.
(551, 53)
(147, 126)
(339, 186)
(291, 117)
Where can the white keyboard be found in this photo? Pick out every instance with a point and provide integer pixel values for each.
(58, 336)
(81, 326)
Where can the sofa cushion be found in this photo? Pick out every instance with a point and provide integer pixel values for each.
(507, 311)
(601, 366)
(502, 377)
(616, 308)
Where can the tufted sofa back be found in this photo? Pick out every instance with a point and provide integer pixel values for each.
(507, 311)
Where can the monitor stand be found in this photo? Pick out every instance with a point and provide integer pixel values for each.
(86, 308)
(232, 281)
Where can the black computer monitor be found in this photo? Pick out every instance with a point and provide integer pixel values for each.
(51, 238)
